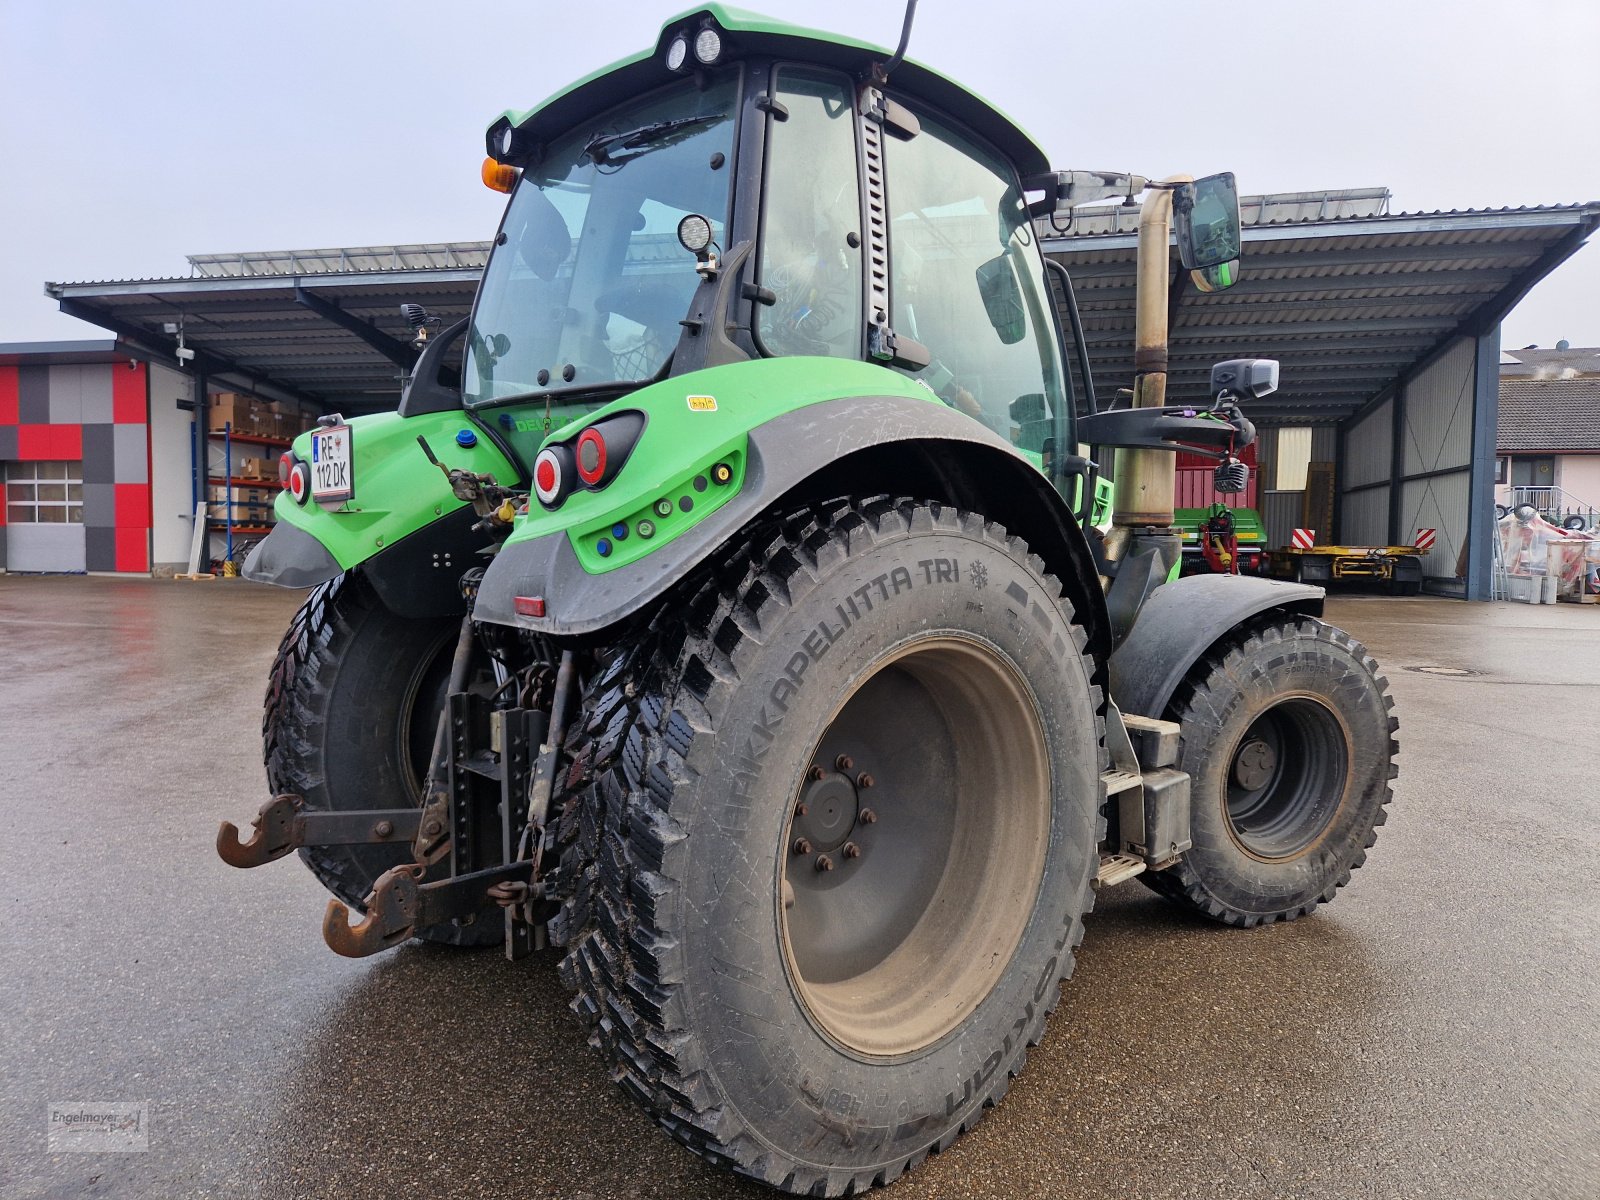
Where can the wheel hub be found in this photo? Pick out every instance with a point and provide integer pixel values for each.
(828, 811)
(1254, 764)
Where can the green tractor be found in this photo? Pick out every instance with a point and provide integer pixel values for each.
(737, 618)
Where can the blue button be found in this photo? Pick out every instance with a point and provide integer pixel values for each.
(603, 548)
(619, 531)
(466, 438)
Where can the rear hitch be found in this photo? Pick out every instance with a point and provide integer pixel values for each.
(283, 825)
(399, 904)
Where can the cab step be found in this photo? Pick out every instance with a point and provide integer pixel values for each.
(1118, 868)
(1155, 743)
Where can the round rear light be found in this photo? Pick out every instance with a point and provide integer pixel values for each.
(547, 479)
(300, 482)
(591, 456)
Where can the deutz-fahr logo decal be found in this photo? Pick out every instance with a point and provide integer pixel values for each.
(702, 404)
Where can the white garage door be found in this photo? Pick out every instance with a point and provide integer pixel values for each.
(44, 516)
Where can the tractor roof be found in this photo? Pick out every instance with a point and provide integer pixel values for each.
(751, 33)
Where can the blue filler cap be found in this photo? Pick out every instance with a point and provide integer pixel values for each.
(603, 548)
(466, 438)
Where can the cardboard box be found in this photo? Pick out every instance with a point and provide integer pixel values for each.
(227, 408)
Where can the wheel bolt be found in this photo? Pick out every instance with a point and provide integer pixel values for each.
(801, 809)
(802, 846)
(868, 817)
(431, 828)
(843, 762)
(864, 780)
(815, 773)
(824, 863)
(851, 850)
(383, 828)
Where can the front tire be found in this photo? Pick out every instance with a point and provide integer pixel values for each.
(353, 700)
(833, 844)
(1288, 739)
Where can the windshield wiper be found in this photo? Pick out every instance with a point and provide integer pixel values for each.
(643, 139)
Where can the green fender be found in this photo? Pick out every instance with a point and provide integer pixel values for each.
(785, 429)
(403, 514)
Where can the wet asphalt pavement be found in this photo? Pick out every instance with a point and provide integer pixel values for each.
(1434, 1033)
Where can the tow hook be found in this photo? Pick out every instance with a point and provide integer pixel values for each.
(283, 825)
(399, 904)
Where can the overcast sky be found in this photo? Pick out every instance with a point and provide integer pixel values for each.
(133, 134)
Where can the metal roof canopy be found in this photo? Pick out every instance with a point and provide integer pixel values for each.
(1349, 302)
(1346, 296)
(322, 326)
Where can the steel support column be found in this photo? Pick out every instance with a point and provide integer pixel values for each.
(1397, 460)
(1485, 446)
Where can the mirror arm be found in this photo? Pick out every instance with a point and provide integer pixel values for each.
(426, 391)
(705, 341)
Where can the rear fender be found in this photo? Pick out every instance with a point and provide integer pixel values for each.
(403, 524)
(1181, 621)
(792, 430)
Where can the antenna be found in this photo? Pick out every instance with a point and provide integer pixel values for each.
(905, 37)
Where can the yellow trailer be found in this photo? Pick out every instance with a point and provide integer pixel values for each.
(1398, 566)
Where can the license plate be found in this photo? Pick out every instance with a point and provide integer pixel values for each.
(331, 480)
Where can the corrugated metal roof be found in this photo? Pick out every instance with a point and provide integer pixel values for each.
(1347, 301)
(1347, 304)
(1549, 414)
(420, 256)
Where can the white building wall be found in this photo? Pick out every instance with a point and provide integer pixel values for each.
(171, 478)
(1579, 476)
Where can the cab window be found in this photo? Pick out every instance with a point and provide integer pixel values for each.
(965, 280)
(813, 214)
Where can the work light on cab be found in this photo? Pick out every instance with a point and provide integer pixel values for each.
(677, 53)
(707, 46)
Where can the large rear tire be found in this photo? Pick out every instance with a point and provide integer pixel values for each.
(1289, 742)
(353, 701)
(830, 841)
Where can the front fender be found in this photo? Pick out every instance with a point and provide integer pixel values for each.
(397, 494)
(1181, 621)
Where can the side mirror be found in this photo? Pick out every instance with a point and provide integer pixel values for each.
(1206, 217)
(1002, 299)
(1246, 378)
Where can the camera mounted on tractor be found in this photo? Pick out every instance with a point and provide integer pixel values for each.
(732, 604)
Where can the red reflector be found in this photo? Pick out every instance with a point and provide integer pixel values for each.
(285, 462)
(591, 456)
(545, 475)
(528, 606)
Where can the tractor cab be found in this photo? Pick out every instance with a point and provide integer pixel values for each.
(827, 211)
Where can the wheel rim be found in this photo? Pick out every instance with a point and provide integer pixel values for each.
(1286, 778)
(915, 846)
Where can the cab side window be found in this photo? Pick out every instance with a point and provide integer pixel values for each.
(965, 280)
(813, 214)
